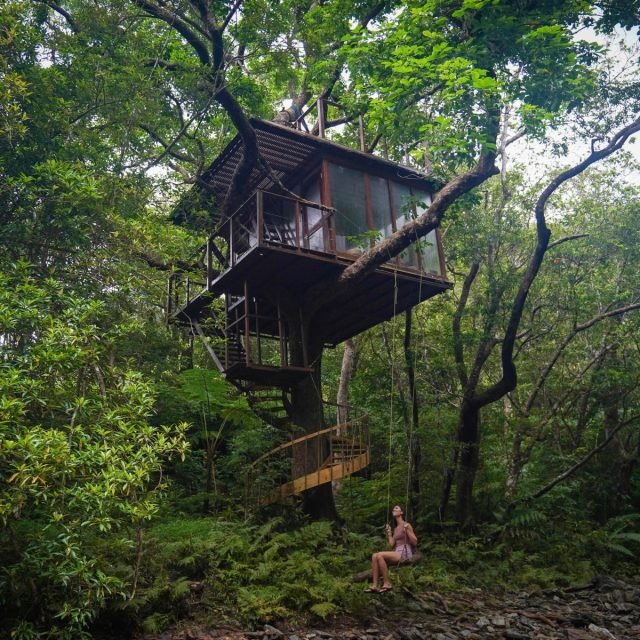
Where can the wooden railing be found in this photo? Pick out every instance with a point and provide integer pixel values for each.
(255, 223)
(321, 457)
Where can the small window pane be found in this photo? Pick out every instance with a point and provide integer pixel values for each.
(347, 197)
(315, 239)
(380, 206)
(427, 246)
(405, 211)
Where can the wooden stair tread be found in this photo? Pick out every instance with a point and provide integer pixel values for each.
(315, 478)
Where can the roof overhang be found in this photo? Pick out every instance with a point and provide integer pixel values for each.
(291, 153)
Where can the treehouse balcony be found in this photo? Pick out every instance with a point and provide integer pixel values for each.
(277, 241)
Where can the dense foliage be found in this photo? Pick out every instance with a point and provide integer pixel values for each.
(125, 460)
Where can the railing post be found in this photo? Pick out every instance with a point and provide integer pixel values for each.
(247, 326)
(232, 254)
(209, 264)
(321, 122)
(363, 146)
(188, 290)
(260, 217)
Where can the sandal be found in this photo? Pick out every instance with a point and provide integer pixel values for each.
(384, 589)
(372, 590)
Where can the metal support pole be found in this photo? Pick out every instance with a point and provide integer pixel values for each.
(209, 264)
(321, 122)
(247, 326)
(363, 146)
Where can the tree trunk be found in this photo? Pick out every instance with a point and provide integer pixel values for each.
(307, 413)
(346, 373)
(469, 444)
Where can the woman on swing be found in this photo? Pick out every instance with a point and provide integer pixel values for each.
(402, 540)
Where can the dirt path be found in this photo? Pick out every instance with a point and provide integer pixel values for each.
(607, 609)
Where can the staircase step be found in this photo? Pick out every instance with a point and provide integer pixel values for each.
(316, 478)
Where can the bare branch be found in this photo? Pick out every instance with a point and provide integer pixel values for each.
(560, 241)
(569, 472)
(232, 11)
(458, 348)
(168, 146)
(179, 25)
(65, 14)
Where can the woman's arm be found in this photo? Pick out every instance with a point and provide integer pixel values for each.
(411, 536)
(390, 538)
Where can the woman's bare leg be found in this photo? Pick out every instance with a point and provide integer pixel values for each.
(385, 559)
(375, 571)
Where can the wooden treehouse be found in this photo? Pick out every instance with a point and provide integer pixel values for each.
(324, 205)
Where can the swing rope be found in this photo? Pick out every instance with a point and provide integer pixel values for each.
(412, 435)
(393, 331)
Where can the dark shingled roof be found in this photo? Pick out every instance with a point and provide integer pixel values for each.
(291, 152)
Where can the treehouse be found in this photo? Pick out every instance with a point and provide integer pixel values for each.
(301, 226)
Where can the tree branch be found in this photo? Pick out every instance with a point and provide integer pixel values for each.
(569, 472)
(509, 379)
(179, 25)
(65, 14)
(563, 345)
(232, 11)
(458, 348)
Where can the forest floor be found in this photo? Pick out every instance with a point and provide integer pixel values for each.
(606, 609)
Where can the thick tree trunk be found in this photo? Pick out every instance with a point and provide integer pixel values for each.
(469, 444)
(307, 413)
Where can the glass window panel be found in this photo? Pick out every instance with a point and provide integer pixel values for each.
(404, 211)
(380, 206)
(347, 197)
(427, 246)
(315, 240)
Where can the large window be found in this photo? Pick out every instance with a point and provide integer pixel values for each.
(348, 197)
(314, 227)
(369, 208)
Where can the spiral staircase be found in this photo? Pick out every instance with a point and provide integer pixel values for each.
(332, 454)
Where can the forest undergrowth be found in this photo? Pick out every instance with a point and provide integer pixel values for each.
(213, 571)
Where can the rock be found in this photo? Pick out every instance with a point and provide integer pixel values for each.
(601, 632)
(272, 632)
(482, 622)
(498, 621)
(511, 634)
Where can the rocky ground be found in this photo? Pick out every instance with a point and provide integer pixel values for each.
(606, 609)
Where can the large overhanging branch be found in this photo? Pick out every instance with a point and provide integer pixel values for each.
(509, 379)
(403, 238)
